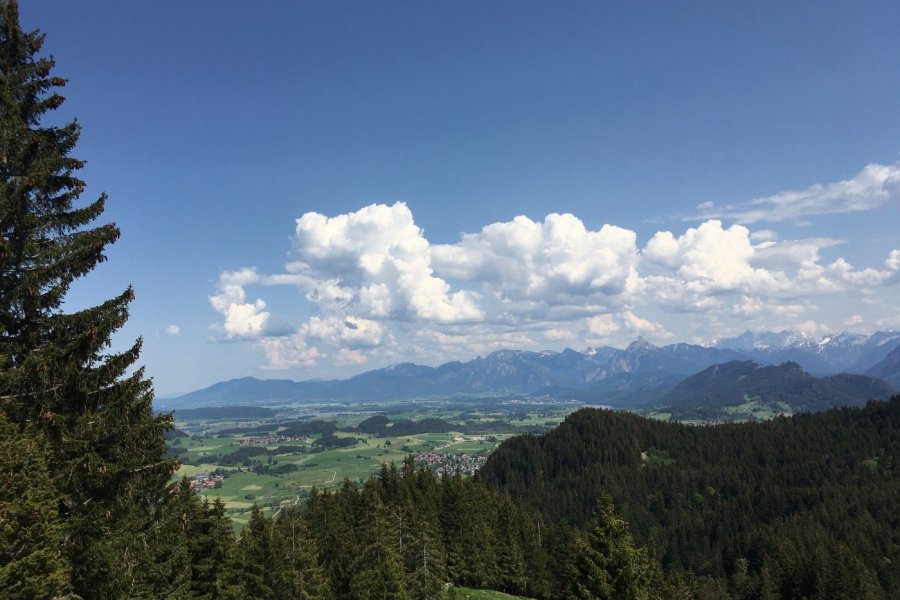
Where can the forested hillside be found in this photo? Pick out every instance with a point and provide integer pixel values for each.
(805, 506)
(731, 390)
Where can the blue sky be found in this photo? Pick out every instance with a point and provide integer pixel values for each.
(409, 136)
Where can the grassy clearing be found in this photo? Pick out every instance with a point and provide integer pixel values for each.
(753, 409)
(659, 416)
(461, 593)
(658, 458)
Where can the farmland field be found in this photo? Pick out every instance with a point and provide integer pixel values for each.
(275, 462)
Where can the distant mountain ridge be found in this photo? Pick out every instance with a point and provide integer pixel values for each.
(827, 355)
(888, 368)
(787, 387)
(638, 374)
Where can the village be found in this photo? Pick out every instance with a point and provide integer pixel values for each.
(267, 440)
(206, 481)
(448, 464)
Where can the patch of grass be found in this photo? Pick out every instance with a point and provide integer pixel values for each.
(191, 470)
(461, 593)
(656, 457)
(660, 416)
(754, 409)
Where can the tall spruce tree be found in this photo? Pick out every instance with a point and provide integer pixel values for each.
(300, 576)
(31, 565)
(92, 411)
(610, 565)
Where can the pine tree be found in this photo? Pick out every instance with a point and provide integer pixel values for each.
(424, 561)
(609, 564)
(107, 452)
(211, 547)
(377, 570)
(300, 576)
(255, 558)
(31, 565)
(510, 558)
(167, 570)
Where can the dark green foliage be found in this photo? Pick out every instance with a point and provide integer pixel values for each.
(274, 560)
(329, 441)
(301, 577)
(382, 426)
(406, 532)
(211, 546)
(276, 470)
(303, 428)
(256, 557)
(609, 566)
(511, 567)
(243, 456)
(31, 533)
(90, 409)
(374, 424)
(377, 566)
(743, 508)
(165, 570)
(189, 552)
(423, 559)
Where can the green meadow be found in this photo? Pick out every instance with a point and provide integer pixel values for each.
(201, 452)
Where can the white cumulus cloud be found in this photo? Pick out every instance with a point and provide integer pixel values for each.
(552, 261)
(289, 352)
(242, 319)
(377, 262)
(348, 332)
(602, 326)
(709, 256)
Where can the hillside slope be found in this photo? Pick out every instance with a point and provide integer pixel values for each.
(820, 488)
(715, 392)
(888, 369)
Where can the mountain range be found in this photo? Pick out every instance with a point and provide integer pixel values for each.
(639, 374)
(850, 352)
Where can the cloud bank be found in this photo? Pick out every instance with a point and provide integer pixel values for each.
(379, 291)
